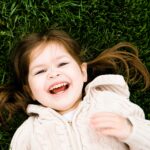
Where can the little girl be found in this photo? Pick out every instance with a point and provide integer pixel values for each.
(49, 83)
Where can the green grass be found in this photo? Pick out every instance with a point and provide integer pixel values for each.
(95, 24)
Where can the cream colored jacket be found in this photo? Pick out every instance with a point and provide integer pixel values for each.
(45, 129)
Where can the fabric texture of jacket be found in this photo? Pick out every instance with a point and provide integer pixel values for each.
(45, 129)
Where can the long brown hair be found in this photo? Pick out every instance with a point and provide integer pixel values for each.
(120, 59)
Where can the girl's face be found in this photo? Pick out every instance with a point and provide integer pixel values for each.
(55, 78)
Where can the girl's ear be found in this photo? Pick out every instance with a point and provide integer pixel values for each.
(84, 71)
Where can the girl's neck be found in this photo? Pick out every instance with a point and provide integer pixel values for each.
(70, 109)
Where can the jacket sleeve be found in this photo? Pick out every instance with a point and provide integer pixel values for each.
(21, 138)
(116, 99)
(140, 136)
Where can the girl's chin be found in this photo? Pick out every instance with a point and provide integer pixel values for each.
(64, 109)
(69, 107)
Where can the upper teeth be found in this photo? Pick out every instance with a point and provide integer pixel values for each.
(57, 86)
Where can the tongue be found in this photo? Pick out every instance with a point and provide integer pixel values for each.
(60, 89)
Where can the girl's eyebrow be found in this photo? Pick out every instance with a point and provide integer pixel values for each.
(37, 66)
(42, 65)
(60, 57)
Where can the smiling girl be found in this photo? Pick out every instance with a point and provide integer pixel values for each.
(69, 109)
(55, 78)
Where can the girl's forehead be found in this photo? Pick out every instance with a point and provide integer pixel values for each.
(56, 49)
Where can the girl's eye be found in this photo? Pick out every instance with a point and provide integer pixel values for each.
(40, 71)
(62, 64)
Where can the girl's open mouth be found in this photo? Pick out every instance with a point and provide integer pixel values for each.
(59, 88)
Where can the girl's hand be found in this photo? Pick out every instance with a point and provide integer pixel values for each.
(111, 124)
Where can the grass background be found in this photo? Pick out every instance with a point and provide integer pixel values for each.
(95, 24)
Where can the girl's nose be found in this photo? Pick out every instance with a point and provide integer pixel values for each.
(53, 74)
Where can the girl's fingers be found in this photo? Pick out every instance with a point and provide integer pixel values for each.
(104, 124)
(106, 119)
(103, 114)
(111, 124)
